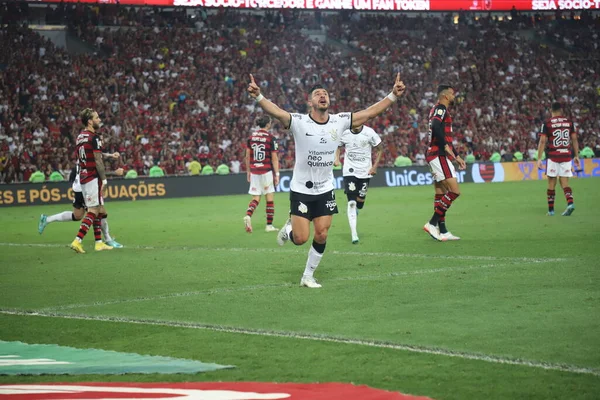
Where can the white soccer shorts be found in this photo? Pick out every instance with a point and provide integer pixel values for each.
(92, 193)
(442, 168)
(562, 169)
(261, 184)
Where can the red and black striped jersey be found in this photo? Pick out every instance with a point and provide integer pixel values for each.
(436, 143)
(558, 130)
(261, 145)
(87, 144)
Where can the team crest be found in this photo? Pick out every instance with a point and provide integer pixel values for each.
(440, 111)
(487, 172)
(351, 186)
(334, 134)
(302, 208)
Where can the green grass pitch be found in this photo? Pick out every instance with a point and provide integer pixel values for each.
(512, 311)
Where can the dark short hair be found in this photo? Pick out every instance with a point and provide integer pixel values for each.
(556, 106)
(443, 87)
(263, 121)
(315, 87)
(86, 115)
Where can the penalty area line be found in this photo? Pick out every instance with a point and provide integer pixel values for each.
(439, 351)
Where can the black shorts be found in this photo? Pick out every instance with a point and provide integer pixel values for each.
(313, 206)
(356, 186)
(78, 201)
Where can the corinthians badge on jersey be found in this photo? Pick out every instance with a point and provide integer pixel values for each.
(334, 134)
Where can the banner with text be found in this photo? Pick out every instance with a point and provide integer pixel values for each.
(217, 185)
(398, 5)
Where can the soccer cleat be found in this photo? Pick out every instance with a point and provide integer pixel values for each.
(114, 244)
(445, 237)
(309, 282)
(569, 210)
(77, 247)
(550, 213)
(102, 246)
(433, 231)
(248, 223)
(42, 224)
(354, 239)
(271, 228)
(283, 236)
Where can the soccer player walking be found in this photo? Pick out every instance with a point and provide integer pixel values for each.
(557, 132)
(359, 144)
(92, 177)
(317, 136)
(439, 157)
(262, 169)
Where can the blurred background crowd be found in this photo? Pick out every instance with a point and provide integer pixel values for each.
(170, 84)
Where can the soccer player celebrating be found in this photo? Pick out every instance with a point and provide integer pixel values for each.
(92, 177)
(262, 163)
(439, 157)
(317, 136)
(358, 168)
(557, 132)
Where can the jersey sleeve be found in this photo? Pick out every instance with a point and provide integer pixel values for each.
(96, 144)
(274, 145)
(375, 139)
(544, 129)
(295, 121)
(346, 119)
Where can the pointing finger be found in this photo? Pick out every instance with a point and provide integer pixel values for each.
(398, 78)
(252, 79)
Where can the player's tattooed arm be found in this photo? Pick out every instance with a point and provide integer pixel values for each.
(100, 166)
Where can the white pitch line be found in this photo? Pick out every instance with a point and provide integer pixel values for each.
(275, 285)
(326, 338)
(280, 250)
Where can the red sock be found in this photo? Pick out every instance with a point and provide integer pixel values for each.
(251, 207)
(86, 223)
(270, 212)
(97, 229)
(568, 195)
(445, 203)
(551, 194)
(437, 199)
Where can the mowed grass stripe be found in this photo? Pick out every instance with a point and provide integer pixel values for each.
(303, 251)
(387, 275)
(321, 338)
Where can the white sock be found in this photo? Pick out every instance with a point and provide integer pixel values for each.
(104, 226)
(352, 217)
(314, 258)
(60, 217)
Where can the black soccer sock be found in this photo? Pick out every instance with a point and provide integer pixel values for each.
(442, 225)
(319, 248)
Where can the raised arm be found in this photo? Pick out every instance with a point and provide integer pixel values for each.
(268, 106)
(361, 117)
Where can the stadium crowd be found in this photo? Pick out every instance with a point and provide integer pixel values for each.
(171, 86)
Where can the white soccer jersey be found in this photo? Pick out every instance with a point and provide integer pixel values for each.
(316, 144)
(358, 160)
